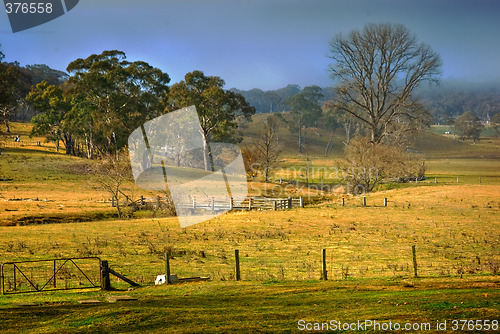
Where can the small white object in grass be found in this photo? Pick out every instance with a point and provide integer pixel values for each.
(161, 279)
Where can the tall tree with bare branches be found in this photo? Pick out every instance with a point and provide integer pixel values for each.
(378, 69)
(267, 148)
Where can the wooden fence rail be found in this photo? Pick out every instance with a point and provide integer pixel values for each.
(229, 203)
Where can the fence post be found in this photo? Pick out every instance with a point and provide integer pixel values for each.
(167, 266)
(385, 201)
(249, 203)
(301, 201)
(343, 201)
(290, 203)
(105, 282)
(435, 180)
(275, 205)
(55, 274)
(325, 274)
(230, 203)
(213, 203)
(457, 179)
(237, 260)
(364, 201)
(414, 252)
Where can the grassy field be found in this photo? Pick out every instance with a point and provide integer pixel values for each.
(454, 226)
(260, 307)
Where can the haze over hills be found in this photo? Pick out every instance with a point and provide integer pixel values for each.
(448, 98)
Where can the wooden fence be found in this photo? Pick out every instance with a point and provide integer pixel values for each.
(216, 204)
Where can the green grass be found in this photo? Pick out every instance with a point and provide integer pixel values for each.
(454, 226)
(250, 307)
(442, 129)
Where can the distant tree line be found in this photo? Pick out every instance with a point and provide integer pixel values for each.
(451, 99)
(448, 99)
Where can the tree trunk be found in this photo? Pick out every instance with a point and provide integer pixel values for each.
(347, 128)
(300, 139)
(328, 146)
(89, 146)
(68, 142)
(118, 206)
(207, 155)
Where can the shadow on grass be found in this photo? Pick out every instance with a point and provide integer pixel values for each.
(250, 309)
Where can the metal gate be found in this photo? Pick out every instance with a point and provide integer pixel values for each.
(51, 275)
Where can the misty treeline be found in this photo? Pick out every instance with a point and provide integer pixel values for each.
(449, 98)
(91, 109)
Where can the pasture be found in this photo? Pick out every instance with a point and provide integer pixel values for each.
(58, 211)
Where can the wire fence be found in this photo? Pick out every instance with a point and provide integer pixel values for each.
(264, 263)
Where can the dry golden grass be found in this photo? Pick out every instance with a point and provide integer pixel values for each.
(454, 228)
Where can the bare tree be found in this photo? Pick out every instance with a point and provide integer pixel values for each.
(378, 68)
(267, 146)
(367, 164)
(113, 175)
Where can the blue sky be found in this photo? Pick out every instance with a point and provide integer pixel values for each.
(263, 44)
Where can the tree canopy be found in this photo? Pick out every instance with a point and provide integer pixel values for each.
(13, 87)
(218, 109)
(378, 68)
(305, 112)
(468, 125)
(112, 96)
(50, 121)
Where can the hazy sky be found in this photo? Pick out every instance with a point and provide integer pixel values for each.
(256, 43)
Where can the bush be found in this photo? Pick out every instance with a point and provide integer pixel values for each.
(367, 164)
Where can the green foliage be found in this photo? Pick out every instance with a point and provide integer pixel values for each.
(111, 97)
(52, 106)
(468, 125)
(495, 123)
(42, 72)
(306, 111)
(13, 86)
(218, 109)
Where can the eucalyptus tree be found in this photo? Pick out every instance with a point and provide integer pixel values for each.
(113, 96)
(218, 109)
